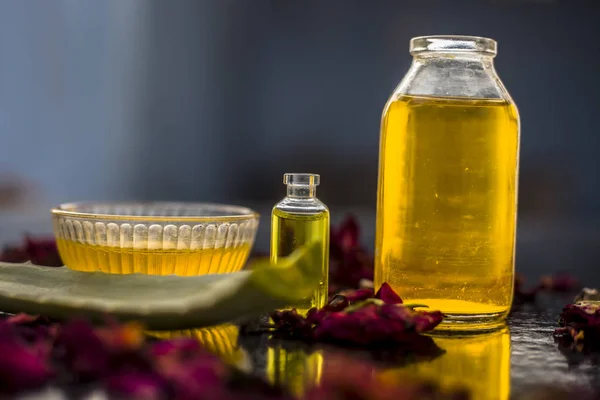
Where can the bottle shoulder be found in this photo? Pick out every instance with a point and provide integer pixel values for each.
(472, 78)
(308, 206)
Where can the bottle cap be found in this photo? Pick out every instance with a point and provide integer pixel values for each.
(301, 179)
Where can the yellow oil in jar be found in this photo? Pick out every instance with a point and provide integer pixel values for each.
(291, 231)
(116, 260)
(447, 204)
(478, 363)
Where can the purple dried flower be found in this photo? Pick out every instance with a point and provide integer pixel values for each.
(357, 295)
(13, 255)
(178, 347)
(343, 299)
(388, 295)
(135, 385)
(191, 370)
(349, 261)
(22, 366)
(580, 325)
(560, 282)
(32, 329)
(81, 351)
(43, 252)
(39, 251)
(522, 295)
(375, 324)
(364, 321)
(19, 319)
(292, 325)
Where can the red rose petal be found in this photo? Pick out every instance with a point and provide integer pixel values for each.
(82, 351)
(358, 295)
(22, 368)
(388, 295)
(346, 236)
(135, 385)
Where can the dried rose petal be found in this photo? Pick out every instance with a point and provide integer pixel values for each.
(194, 377)
(366, 320)
(358, 328)
(43, 252)
(82, 352)
(31, 329)
(414, 321)
(337, 303)
(376, 324)
(349, 262)
(22, 319)
(38, 251)
(345, 298)
(561, 282)
(388, 295)
(522, 295)
(192, 371)
(582, 316)
(135, 385)
(21, 366)
(291, 324)
(580, 325)
(587, 295)
(177, 347)
(357, 295)
(345, 237)
(13, 255)
(126, 337)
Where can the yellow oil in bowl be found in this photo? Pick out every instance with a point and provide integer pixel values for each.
(185, 262)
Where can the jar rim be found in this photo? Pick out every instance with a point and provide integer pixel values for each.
(453, 44)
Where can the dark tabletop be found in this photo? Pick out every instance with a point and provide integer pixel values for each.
(511, 362)
(518, 361)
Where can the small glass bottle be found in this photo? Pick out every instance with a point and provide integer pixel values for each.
(300, 218)
(448, 177)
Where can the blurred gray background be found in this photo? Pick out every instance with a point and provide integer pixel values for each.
(213, 100)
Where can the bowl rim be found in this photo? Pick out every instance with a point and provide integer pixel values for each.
(65, 210)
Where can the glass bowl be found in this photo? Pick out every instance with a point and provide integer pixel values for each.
(154, 238)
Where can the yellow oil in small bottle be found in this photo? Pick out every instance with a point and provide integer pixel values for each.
(297, 220)
(478, 363)
(116, 260)
(447, 204)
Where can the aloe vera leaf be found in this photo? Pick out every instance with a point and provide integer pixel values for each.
(159, 302)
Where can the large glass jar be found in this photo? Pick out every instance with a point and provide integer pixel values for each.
(448, 174)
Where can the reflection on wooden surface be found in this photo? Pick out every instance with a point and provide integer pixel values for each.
(297, 370)
(480, 363)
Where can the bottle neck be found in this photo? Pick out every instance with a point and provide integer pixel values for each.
(301, 192)
(450, 58)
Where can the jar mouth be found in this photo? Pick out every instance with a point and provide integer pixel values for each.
(452, 44)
